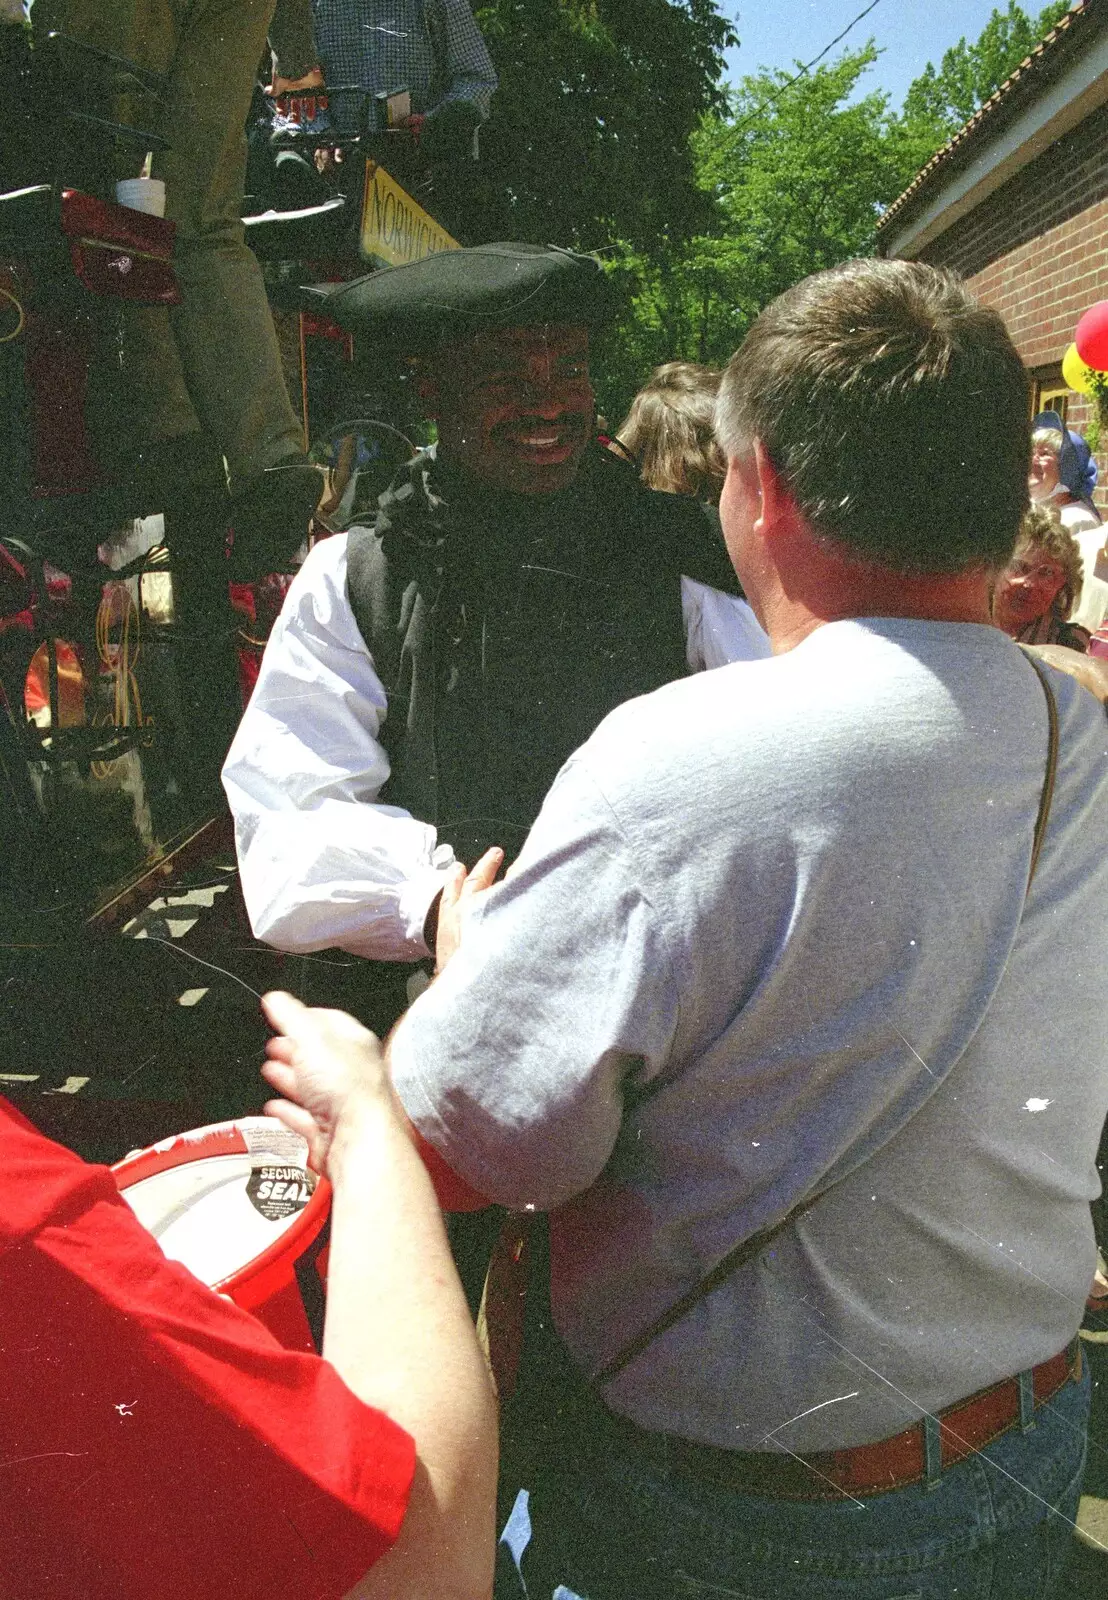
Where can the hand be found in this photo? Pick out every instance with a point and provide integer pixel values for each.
(310, 80)
(461, 892)
(326, 1066)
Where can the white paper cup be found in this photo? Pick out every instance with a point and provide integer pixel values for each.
(142, 194)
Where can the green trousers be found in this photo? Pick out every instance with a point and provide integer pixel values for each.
(212, 363)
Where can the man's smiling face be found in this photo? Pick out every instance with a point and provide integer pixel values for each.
(514, 406)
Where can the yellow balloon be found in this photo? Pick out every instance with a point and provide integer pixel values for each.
(1074, 371)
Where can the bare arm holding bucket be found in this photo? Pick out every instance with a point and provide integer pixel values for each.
(397, 1330)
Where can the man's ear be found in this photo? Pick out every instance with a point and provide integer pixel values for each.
(777, 505)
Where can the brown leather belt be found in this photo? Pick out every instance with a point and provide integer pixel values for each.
(866, 1468)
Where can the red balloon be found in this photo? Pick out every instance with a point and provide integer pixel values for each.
(1091, 337)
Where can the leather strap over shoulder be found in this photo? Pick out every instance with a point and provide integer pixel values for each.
(1047, 794)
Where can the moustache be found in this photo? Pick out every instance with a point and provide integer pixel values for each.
(568, 420)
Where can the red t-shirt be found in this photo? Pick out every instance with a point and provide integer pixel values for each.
(156, 1441)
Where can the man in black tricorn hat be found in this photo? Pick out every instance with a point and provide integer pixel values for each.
(519, 583)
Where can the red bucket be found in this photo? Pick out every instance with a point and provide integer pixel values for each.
(238, 1205)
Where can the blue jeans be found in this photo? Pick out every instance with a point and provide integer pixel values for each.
(607, 1524)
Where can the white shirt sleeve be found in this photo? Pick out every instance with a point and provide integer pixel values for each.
(719, 628)
(321, 862)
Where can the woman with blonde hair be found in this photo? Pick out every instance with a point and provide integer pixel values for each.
(1035, 593)
(669, 431)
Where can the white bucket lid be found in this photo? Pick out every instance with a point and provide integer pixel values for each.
(215, 1198)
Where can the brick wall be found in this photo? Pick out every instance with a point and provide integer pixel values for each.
(1042, 287)
(1062, 183)
(1037, 250)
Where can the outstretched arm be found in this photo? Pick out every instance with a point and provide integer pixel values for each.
(513, 1064)
(397, 1328)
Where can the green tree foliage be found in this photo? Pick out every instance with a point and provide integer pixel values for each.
(589, 138)
(795, 173)
(942, 99)
(798, 171)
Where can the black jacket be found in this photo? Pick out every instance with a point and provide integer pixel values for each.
(504, 627)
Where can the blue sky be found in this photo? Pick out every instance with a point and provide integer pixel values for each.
(911, 33)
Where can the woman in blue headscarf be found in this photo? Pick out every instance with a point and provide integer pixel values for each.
(1063, 474)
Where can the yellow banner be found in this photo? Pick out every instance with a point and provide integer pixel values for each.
(394, 229)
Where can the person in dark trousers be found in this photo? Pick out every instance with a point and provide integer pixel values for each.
(207, 373)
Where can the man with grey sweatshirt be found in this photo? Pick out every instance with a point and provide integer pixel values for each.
(769, 1017)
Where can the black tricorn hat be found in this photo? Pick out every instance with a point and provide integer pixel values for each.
(457, 293)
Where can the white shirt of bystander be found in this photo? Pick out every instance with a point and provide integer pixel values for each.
(1091, 606)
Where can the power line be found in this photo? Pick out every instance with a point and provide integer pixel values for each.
(837, 39)
(788, 83)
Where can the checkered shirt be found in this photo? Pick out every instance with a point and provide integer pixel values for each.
(433, 48)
